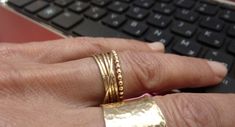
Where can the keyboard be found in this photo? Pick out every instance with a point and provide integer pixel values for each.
(195, 28)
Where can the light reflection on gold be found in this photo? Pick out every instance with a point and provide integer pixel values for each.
(143, 112)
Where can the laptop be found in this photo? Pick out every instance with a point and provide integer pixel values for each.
(194, 28)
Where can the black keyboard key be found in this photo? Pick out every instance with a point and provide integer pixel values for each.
(231, 47)
(227, 86)
(135, 28)
(185, 3)
(101, 3)
(211, 38)
(144, 3)
(166, 1)
(36, 6)
(95, 13)
(184, 29)
(187, 48)
(137, 13)
(94, 29)
(19, 3)
(114, 20)
(231, 31)
(118, 6)
(49, 12)
(212, 23)
(226, 59)
(66, 20)
(186, 15)
(63, 2)
(159, 35)
(127, 1)
(228, 15)
(207, 9)
(159, 20)
(164, 8)
(79, 6)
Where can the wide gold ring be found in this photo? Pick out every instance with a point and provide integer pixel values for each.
(142, 112)
(111, 73)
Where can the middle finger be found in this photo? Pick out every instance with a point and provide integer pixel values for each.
(143, 72)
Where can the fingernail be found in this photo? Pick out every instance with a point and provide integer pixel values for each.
(219, 68)
(157, 46)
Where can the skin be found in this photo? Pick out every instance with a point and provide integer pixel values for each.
(57, 84)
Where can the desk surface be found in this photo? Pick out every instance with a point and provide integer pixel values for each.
(14, 28)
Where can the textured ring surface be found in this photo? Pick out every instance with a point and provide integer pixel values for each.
(142, 112)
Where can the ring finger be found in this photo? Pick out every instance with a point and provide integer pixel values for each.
(210, 110)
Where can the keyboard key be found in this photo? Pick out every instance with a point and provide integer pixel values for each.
(66, 20)
(79, 6)
(166, 1)
(187, 15)
(135, 28)
(187, 48)
(96, 30)
(185, 3)
(159, 35)
(228, 15)
(49, 12)
(208, 9)
(127, 1)
(118, 6)
(227, 86)
(231, 47)
(19, 3)
(137, 13)
(114, 20)
(101, 3)
(95, 13)
(184, 29)
(159, 20)
(36, 6)
(144, 3)
(164, 8)
(231, 31)
(63, 2)
(211, 38)
(212, 23)
(226, 59)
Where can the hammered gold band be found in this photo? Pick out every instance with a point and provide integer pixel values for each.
(110, 70)
(143, 112)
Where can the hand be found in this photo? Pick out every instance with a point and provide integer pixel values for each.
(57, 83)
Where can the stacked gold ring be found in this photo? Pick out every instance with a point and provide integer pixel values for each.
(110, 69)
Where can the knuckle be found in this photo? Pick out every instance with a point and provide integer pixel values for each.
(47, 54)
(7, 51)
(194, 111)
(92, 45)
(5, 123)
(146, 67)
(10, 78)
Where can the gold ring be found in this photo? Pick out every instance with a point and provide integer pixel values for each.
(111, 73)
(142, 112)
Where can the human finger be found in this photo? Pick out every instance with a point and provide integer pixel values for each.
(74, 48)
(189, 110)
(142, 72)
(198, 110)
(179, 110)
